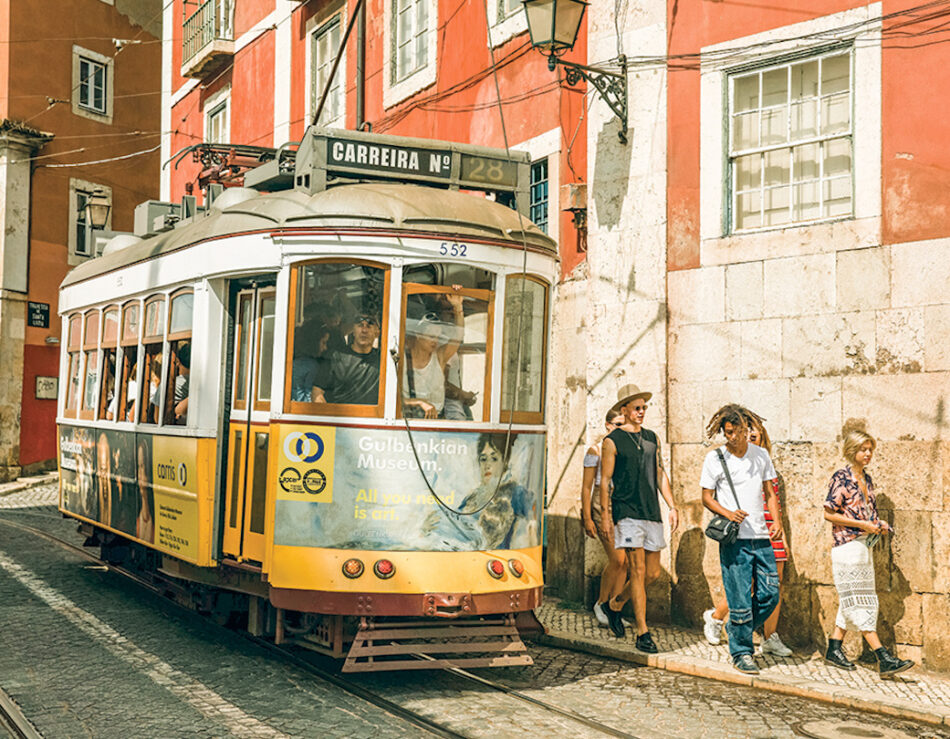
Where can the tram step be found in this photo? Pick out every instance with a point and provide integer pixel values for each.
(421, 645)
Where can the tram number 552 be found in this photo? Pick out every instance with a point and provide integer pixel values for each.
(453, 249)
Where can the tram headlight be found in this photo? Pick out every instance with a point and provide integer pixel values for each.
(495, 568)
(384, 569)
(352, 568)
(517, 569)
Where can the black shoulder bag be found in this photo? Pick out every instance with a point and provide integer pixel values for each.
(720, 528)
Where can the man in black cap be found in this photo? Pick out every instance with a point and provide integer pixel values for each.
(631, 459)
(353, 377)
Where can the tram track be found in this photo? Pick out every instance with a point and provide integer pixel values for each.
(304, 662)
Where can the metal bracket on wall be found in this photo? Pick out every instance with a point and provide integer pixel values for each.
(612, 86)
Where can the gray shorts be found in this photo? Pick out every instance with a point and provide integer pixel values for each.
(632, 533)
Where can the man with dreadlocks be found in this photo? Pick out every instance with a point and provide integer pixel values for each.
(733, 482)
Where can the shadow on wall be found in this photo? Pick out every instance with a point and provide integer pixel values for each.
(893, 588)
(611, 168)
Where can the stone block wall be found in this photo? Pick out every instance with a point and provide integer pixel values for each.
(809, 341)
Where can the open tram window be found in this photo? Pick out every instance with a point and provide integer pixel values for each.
(446, 356)
(179, 358)
(150, 394)
(125, 398)
(337, 339)
(110, 344)
(523, 353)
(90, 347)
(73, 345)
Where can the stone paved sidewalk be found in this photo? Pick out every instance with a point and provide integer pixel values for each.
(24, 490)
(915, 694)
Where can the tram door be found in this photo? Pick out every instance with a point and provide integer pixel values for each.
(248, 429)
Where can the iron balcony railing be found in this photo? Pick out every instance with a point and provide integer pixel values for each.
(210, 22)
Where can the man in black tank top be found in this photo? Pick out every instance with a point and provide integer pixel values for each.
(631, 458)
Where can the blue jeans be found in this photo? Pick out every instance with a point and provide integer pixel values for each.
(751, 582)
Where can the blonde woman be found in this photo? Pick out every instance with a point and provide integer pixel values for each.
(851, 509)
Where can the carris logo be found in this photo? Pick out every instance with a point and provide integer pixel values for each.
(303, 447)
(182, 474)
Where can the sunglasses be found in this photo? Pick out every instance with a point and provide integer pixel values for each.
(368, 320)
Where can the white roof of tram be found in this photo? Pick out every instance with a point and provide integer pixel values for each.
(410, 209)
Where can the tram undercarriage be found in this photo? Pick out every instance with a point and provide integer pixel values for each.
(446, 633)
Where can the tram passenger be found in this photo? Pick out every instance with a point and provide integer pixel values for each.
(353, 374)
(177, 412)
(423, 381)
(309, 367)
(153, 394)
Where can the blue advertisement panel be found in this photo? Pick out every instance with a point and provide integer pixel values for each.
(350, 488)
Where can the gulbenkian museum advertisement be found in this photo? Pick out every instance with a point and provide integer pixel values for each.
(350, 488)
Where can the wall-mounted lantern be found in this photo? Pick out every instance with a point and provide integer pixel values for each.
(553, 25)
(97, 209)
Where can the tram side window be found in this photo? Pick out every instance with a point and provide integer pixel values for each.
(90, 345)
(110, 343)
(446, 358)
(150, 395)
(179, 359)
(73, 345)
(337, 338)
(123, 404)
(522, 360)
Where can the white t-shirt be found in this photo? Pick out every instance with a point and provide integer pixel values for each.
(748, 473)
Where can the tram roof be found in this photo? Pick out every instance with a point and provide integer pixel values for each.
(410, 209)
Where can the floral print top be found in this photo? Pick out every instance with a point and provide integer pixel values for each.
(845, 498)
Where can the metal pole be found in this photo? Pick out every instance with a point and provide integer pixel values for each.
(336, 62)
(361, 69)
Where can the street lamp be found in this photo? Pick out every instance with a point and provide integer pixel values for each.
(553, 25)
(97, 209)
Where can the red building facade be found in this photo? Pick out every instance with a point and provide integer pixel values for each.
(79, 113)
(425, 69)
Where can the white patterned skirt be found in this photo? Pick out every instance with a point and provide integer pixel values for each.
(853, 568)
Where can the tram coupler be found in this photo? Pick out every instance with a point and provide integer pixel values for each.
(447, 605)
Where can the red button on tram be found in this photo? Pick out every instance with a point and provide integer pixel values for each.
(495, 568)
(352, 568)
(384, 569)
(517, 569)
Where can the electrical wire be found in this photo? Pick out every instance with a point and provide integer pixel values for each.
(103, 161)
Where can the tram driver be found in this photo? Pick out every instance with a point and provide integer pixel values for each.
(352, 376)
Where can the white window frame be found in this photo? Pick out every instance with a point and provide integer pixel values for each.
(218, 103)
(108, 64)
(317, 25)
(860, 27)
(396, 91)
(505, 27)
(548, 146)
(78, 187)
(819, 139)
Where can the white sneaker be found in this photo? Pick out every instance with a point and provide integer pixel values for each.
(773, 645)
(599, 614)
(712, 627)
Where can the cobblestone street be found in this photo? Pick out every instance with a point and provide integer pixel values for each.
(86, 653)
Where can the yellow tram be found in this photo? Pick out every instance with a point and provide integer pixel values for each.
(322, 407)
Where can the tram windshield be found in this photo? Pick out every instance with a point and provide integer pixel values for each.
(337, 338)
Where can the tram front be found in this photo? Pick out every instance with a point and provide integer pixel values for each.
(408, 454)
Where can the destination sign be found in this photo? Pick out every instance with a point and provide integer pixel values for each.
(373, 157)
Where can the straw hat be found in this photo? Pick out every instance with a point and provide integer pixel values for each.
(628, 393)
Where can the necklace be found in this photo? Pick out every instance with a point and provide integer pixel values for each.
(636, 439)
